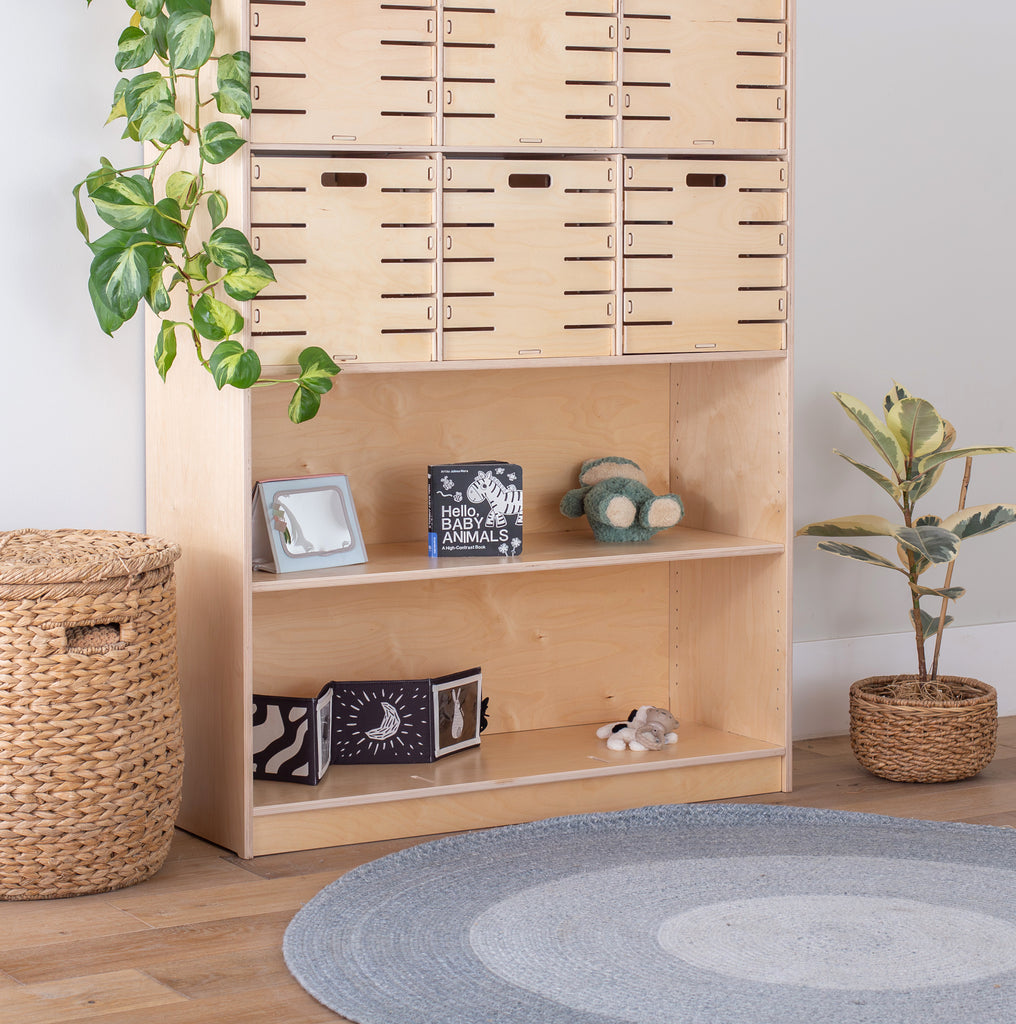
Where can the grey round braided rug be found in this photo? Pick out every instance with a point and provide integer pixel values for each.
(683, 914)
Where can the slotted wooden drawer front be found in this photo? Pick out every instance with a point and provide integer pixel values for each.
(355, 71)
(705, 255)
(353, 243)
(531, 73)
(528, 258)
(707, 74)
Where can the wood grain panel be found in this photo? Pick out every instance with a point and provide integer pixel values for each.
(383, 430)
(518, 237)
(545, 654)
(313, 828)
(198, 461)
(705, 249)
(531, 73)
(704, 75)
(353, 244)
(358, 72)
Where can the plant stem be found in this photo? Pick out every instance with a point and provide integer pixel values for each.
(922, 665)
(949, 571)
(908, 519)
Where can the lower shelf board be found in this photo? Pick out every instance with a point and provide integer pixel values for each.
(510, 777)
(506, 759)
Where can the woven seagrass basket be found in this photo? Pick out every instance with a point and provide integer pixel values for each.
(91, 747)
(936, 731)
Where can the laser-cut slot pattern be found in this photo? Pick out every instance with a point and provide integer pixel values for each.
(706, 74)
(531, 73)
(351, 72)
(528, 271)
(353, 242)
(705, 255)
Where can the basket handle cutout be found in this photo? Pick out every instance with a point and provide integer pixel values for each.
(100, 636)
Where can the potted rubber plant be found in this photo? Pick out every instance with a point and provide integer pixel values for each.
(166, 245)
(920, 727)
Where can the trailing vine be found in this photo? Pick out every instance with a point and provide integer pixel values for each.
(157, 242)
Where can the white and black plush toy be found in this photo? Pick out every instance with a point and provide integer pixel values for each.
(647, 728)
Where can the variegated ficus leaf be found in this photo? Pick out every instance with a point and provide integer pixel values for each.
(889, 486)
(969, 522)
(859, 554)
(881, 438)
(850, 526)
(916, 426)
(936, 459)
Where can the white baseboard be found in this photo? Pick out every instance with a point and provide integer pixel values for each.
(824, 670)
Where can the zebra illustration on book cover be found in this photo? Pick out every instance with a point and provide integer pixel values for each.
(475, 508)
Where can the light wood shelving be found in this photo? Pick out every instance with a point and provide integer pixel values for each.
(628, 295)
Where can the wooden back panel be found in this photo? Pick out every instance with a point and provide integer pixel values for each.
(358, 71)
(384, 429)
(705, 255)
(582, 647)
(353, 245)
(704, 73)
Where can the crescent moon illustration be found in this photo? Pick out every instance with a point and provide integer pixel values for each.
(389, 726)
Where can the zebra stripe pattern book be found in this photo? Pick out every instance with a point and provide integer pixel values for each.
(474, 508)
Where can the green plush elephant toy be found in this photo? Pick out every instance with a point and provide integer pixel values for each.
(614, 497)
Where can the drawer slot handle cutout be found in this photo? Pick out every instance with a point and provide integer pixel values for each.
(344, 179)
(521, 180)
(701, 180)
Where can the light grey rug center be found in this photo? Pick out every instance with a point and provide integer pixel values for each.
(735, 914)
(804, 938)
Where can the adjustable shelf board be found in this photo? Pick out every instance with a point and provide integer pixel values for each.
(396, 563)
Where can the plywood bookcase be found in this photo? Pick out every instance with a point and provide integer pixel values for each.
(592, 259)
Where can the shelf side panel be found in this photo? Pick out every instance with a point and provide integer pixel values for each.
(732, 634)
(732, 447)
(732, 646)
(198, 494)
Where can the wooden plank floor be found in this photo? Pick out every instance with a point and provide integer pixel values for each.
(201, 942)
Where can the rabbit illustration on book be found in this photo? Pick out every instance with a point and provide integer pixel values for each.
(458, 721)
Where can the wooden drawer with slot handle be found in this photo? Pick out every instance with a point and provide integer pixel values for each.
(705, 255)
(353, 244)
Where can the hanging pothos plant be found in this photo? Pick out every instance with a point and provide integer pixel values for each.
(157, 242)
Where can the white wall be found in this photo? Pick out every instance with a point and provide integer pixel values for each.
(904, 211)
(71, 398)
(903, 271)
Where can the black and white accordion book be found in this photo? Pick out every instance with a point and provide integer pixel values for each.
(378, 721)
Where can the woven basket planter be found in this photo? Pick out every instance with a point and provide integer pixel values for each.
(939, 731)
(91, 747)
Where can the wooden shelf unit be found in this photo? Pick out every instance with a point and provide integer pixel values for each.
(572, 633)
